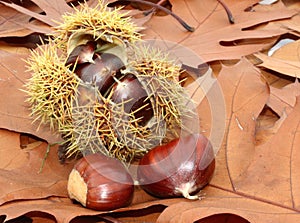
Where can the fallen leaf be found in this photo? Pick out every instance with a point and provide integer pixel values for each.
(283, 100)
(64, 210)
(214, 38)
(53, 11)
(218, 202)
(252, 183)
(287, 67)
(289, 51)
(15, 112)
(245, 94)
(21, 176)
(255, 182)
(292, 24)
(284, 60)
(273, 166)
(38, 16)
(267, 124)
(14, 23)
(240, 155)
(278, 45)
(11, 157)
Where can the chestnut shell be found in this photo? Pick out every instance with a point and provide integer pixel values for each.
(101, 73)
(180, 168)
(82, 54)
(109, 185)
(129, 91)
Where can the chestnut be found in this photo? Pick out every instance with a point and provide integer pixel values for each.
(181, 167)
(101, 183)
(102, 72)
(82, 53)
(129, 91)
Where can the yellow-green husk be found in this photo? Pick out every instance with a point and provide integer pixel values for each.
(88, 121)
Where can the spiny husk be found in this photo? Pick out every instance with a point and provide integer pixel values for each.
(100, 125)
(170, 102)
(108, 44)
(159, 75)
(52, 87)
(99, 21)
(88, 121)
(152, 61)
(82, 134)
(135, 140)
(172, 110)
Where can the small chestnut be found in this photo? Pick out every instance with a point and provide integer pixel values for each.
(101, 183)
(129, 90)
(181, 167)
(101, 73)
(82, 54)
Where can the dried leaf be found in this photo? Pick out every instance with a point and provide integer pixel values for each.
(289, 51)
(15, 112)
(53, 10)
(38, 16)
(285, 60)
(287, 67)
(64, 210)
(278, 45)
(252, 174)
(292, 24)
(283, 100)
(273, 166)
(253, 182)
(214, 38)
(245, 95)
(20, 175)
(220, 202)
(14, 23)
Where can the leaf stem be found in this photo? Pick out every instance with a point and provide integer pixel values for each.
(183, 23)
(229, 14)
(46, 155)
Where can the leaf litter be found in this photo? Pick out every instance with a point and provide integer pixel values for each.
(256, 182)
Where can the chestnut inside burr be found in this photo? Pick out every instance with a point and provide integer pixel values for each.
(106, 72)
(129, 91)
(102, 72)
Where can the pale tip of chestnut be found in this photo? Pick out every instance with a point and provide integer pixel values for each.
(89, 59)
(101, 183)
(186, 189)
(77, 188)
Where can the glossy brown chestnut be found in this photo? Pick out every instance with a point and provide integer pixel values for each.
(100, 183)
(82, 53)
(180, 168)
(129, 90)
(101, 73)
